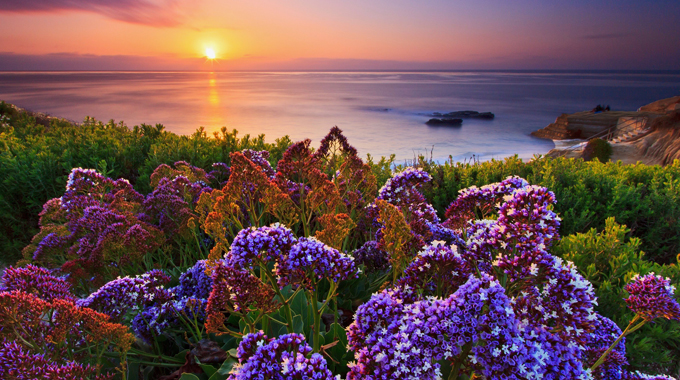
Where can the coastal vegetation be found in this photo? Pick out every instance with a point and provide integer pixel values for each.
(139, 254)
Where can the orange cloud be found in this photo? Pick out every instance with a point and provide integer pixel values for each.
(160, 13)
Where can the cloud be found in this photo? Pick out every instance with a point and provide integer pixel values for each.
(604, 36)
(158, 13)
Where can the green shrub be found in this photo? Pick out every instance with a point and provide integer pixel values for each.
(645, 198)
(609, 261)
(36, 159)
(597, 149)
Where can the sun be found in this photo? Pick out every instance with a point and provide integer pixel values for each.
(210, 53)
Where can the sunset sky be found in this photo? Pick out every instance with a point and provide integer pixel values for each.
(338, 35)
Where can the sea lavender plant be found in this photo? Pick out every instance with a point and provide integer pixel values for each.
(650, 297)
(36, 280)
(129, 294)
(285, 357)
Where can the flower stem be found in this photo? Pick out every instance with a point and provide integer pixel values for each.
(625, 332)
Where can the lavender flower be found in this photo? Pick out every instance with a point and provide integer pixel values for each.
(261, 159)
(118, 297)
(374, 258)
(312, 256)
(264, 244)
(36, 280)
(18, 363)
(194, 282)
(158, 319)
(651, 296)
(281, 358)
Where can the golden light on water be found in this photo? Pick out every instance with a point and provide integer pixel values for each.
(210, 53)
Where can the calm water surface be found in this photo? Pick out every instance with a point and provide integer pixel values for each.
(380, 112)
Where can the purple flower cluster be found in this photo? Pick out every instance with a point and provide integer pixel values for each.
(374, 258)
(261, 159)
(396, 337)
(312, 256)
(479, 200)
(170, 205)
(97, 223)
(286, 357)
(159, 319)
(509, 308)
(403, 190)
(36, 280)
(604, 334)
(194, 282)
(264, 244)
(652, 296)
(437, 270)
(120, 296)
(20, 364)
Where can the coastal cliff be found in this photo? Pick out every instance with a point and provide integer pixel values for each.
(650, 135)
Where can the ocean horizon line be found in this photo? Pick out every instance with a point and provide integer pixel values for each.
(518, 71)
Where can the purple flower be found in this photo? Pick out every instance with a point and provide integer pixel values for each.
(18, 363)
(478, 202)
(604, 334)
(312, 256)
(36, 280)
(651, 296)
(194, 282)
(374, 258)
(264, 244)
(118, 297)
(161, 318)
(437, 270)
(261, 159)
(282, 358)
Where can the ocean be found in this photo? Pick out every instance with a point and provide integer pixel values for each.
(381, 113)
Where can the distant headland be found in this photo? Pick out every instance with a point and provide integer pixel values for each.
(650, 135)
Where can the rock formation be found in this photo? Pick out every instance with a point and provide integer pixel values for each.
(657, 140)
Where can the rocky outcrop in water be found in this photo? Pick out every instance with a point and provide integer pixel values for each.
(465, 115)
(454, 122)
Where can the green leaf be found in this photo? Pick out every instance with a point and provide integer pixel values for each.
(189, 376)
(208, 369)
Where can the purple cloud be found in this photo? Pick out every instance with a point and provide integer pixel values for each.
(160, 13)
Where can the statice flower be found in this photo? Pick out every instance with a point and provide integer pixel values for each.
(637, 375)
(397, 335)
(264, 244)
(402, 190)
(504, 352)
(36, 280)
(120, 296)
(194, 282)
(437, 270)
(526, 214)
(311, 255)
(374, 258)
(604, 334)
(482, 200)
(220, 174)
(282, 358)
(564, 301)
(16, 362)
(261, 159)
(652, 296)
(170, 205)
(158, 319)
